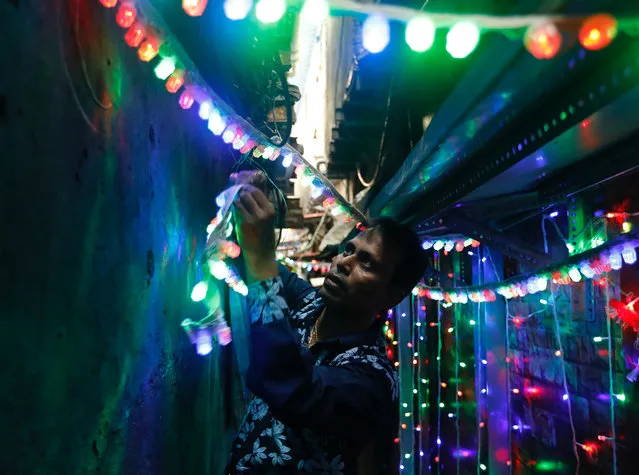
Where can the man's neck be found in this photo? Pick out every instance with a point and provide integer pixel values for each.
(335, 323)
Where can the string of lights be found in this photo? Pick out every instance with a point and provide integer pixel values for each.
(589, 447)
(566, 396)
(589, 264)
(312, 265)
(611, 388)
(458, 243)
(422, 383)
(542, 33)
(440, 385)
(146, 31)
(457, 387)
(450, 376)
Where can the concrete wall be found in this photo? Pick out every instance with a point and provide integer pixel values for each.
(103, 203)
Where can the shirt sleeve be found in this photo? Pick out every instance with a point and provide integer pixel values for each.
(294, 288)
(273, 299)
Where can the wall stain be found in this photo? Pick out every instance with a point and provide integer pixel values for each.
(152, 135)
(150, 266)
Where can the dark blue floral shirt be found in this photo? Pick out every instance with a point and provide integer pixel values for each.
(314, 409)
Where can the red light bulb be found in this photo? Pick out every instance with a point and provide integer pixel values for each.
(328, 202)
(250, 144)
(543, 40)
(149, 50)
(194, 7)
(231, 249)
(135, 35)
(109, 3)
(598, 31)
(126, 15)
(175, 82)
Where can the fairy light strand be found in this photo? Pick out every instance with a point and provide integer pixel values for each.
(516, 287)
(439, 379)
(565, 379)
(508, 384)
(228, 124)
(611, 388)
(457, 271)
(419, 354)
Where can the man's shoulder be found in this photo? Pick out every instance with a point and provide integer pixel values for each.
(308, 305)
(368, 353)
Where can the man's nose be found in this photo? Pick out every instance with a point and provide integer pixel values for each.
(344, 264)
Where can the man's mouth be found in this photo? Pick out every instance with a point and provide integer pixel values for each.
(332, 281)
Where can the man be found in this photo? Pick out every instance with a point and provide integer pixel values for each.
(325, 392)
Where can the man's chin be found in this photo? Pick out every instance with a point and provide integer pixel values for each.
(328, 296)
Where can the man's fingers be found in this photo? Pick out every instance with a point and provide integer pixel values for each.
(261, 199)
(243, 211)
(249, 203)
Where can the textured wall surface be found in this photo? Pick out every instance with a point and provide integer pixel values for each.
(103, 205)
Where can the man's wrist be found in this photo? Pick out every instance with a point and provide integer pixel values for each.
(259, 268)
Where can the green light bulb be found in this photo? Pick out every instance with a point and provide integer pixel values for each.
(165, 68)
(270, 11)
(199, 291)
(462, 39)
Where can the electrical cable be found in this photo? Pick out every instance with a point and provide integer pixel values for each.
(439, 379)
(481, 374)
(611, 381)
(458, 458)
(565, 380)
(83, 62)
(508, 385)
(381, 158)
(67, 73)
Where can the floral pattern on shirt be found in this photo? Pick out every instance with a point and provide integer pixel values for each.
(266, 303)
(263, 442)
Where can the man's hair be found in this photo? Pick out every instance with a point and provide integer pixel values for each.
(412, 262)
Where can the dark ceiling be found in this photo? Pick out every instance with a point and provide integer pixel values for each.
(518, 135)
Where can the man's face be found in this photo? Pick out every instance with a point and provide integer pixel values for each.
(360, 277)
